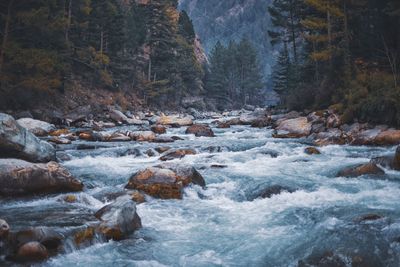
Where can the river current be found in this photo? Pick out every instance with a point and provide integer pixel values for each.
(225, 224)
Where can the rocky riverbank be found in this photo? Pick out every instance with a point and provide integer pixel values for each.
(30, 149)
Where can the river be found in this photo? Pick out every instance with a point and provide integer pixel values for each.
(225, 224)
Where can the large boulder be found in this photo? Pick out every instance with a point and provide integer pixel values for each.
(18, 142)
(165, 181)
(293, 128)
(119, 219)
(200, 130)
(37, 127)
(18, 177)
(175, 120)
(361, 169)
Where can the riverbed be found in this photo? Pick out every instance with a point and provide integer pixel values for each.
(225, 223)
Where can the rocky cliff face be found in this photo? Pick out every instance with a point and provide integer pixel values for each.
(231, 20)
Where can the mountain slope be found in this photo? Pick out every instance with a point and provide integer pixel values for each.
(231, 20)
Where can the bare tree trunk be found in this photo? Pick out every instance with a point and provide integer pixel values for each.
(101, 42)
(69, 18)
(391, 56)
(293, 32)
(329, 26)
(5, 35)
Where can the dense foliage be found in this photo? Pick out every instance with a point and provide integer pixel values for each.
(341, 53)
(234, 77)
(49, 45)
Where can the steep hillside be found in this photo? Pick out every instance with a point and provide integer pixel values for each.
(51, 49)
(231, 20)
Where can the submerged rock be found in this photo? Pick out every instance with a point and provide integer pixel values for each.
(32, 252)
(368, 217)
(327, 259)
(391, 162)
(18, 142)
(361, 169)
(119, 219)
(177, 154)
(165, 181)
(37, 127)
(312, 151)
(18, 177)
(200, 130)
(271, 191)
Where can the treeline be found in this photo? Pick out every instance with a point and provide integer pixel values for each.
(47, 46)
(341, 53)
(234, 78)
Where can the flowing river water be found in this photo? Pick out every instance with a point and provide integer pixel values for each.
(225, 224)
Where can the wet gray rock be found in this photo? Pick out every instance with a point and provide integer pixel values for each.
(4, 229)
(177, 154)
(119, 219)
(18, 142)
(37, 127)
(18, 177)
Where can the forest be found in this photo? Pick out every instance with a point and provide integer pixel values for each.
(343, 54)
(49, 46)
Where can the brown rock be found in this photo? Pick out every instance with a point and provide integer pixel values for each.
(32, 251)
(200, 130)
(59, 132)
(84, 236)
(389, 137)
(90, 136)
(177, 154)
(312, 151)
(158, 129)
(223, 125)
(363, 169)
(70, 198)
(18, 177)
(138, 197)
(165, 182)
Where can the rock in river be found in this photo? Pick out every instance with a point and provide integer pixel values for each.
(362, 169)
(37, 127)
(293, 128)
(391, 162)
(165, 181)
(177, 154)
(18, 142)
(118, 219)
(175, 120)
(18, 177)
(32, 251)
(200, 130)
(4, 229)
